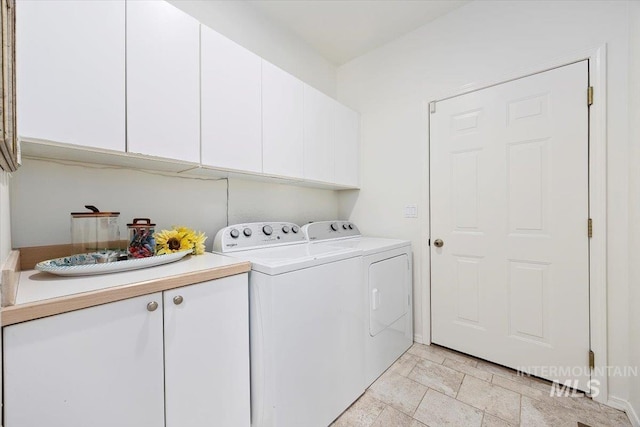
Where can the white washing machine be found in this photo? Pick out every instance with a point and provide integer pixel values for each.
(388, 290)
(306, 317)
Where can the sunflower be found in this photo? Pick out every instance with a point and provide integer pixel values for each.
(170, 241)
(180, 238)
(198, 243)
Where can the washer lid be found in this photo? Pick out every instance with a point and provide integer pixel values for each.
(283, 259)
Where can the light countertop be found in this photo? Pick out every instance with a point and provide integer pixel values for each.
(43, 294)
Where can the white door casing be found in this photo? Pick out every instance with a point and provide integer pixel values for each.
(509, 198)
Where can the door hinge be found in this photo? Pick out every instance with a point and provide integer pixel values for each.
(589, 95)
(590, 228)
(592, 360)
(432, 107)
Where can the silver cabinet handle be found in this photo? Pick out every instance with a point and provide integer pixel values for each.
(177, 300)
(152, 306)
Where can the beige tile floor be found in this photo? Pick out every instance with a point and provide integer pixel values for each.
(433, 386)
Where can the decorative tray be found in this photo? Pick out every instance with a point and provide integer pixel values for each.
(90, 264)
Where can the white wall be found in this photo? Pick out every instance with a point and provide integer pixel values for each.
(482, 42)
(634, 202)
(5, 222)
(251, 201)
(43, 193)
(245, 25)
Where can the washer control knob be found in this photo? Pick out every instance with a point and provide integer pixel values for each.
(345, 226)
(286, 229)
(334, 226)
(350, 226)
(247, 232)
(234, 233)
(295, 229)
(267, 230)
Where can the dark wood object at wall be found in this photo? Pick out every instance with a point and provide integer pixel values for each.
(8, 134)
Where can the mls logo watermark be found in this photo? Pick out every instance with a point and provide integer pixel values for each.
(566, 379)
(570, 388)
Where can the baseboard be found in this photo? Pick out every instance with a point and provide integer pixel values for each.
(418, 338)
(624, 405)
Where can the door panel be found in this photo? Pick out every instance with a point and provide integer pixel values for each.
(387, 295)
(163, 81)
(100, 366)
(231, 104)
(206, 349)
(71, 72)
(509, 197)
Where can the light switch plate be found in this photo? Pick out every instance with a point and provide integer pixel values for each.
(411, 211)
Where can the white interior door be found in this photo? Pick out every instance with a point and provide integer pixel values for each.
(509, 200)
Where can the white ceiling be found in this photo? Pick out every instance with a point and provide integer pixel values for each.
(341, 30)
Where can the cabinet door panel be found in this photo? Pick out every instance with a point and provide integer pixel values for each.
(99, 367)
(346, 146)
(231, 110)
(71, 72)
(282, 118)
(318, 135)
(207, 354)
(163, 89)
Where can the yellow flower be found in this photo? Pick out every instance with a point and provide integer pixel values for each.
(170, 241)
(198, 243)
(180, 238)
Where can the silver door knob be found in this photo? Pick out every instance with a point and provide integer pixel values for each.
(177, 300)
(152, 306)
(438, 243)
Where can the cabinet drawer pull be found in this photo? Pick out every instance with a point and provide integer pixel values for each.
(177, 300)
(152, 306)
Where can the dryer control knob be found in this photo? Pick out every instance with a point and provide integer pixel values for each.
(267, 230)
(345, 226)
(247, 232)
(350, 226)
(285, 229)
(234, 233)
(295, 229)
(334, 226)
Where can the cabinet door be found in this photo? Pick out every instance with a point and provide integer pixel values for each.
(71, 72)
(318, 135)
(163, 73)
(207, 354)
(346, 146)
(231, 110)
(282, 118)
(99, 367)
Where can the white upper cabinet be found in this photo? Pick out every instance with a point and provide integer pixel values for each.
(231, 106)
(282, 119)
(71, 72)
(346, 146)
(318, 125)
(163, 74)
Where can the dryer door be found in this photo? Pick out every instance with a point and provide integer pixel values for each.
(388, 292)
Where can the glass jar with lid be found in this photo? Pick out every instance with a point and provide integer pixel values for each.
(142, 243)
(95, 231)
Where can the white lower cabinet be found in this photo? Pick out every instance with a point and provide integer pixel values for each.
(206, 352)
(183, 364)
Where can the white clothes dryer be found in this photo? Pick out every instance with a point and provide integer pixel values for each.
(387, 283)
(306, 316)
